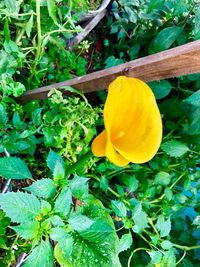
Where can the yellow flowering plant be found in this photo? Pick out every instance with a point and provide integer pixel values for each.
(133, 125)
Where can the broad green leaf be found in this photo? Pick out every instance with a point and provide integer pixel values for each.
(3, 117)
(45, 207)
(14, 168)
(52, 158)
(165, 38)
(119, 208)
(104, 183)
(160, 88)
(168, 193)
(174, 148)
(28, 230)
(79, 187)
(63, 202)
(97, 246)
(80, 222)
(155, 4)
(164, 227)
(125, 242)
(194, 99)
(162, 178)
(37, 116)
(20, 207)
(61, 259)
(44, 188)
(169, 258)
(42, 255)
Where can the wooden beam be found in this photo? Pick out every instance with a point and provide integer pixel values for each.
(174, 62)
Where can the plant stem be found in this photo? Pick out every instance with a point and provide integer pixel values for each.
(184, 253)
(39, 38)
(133, 252)
(186, 248)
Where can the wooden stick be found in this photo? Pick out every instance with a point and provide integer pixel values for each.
(174, 62)
(86, 29)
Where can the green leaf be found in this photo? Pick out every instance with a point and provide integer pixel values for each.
(52, 158)
(104, 183)
(2, 244)
(162, 178)
(160, 88)
(141, 222)
(42, 255)
(196, 30)
(37, 116)
(119, 208)
(20, 207)
(58, 172)
(80, 222)
(97, 246)
(63, 202)
(44, 188)
(64, 240)
(29, 26)
(174, 148)
(3, 117)
(79, 187)
(28, 230)
(61, 259)
(156, 257)
(125, 242)
(166, 245)
(194, 99)
(165, 38)
(51, 5)
(168, 193)
(164, 227)
(14, 168)
(131, 182)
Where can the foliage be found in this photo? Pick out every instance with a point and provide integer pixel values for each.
(80, 210)
(51, 214)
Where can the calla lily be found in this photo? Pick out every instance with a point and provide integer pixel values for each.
(133, 125)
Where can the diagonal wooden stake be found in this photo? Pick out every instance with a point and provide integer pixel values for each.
(174, 62)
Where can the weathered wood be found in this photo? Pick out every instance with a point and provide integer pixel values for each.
(174, 62)
(86, 29)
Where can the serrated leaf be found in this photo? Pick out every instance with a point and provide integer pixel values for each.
(63, 202)
(194, 99)
(97, 246)
(28, 230)
(166, 245)
(14, 168)
(164, 227)
(156, 256)
(20, 207)
(79, 187)
(64, 240)
(80, 222)
(44, 188)
(175, 148)
(162, 178)
(141, 222)
(119, 208)
(42, 255)
(52, 158)
(131, 182)
(160, 88)
(125, 242)
(3, 117)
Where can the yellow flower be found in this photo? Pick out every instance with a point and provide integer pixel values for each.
(133, 126)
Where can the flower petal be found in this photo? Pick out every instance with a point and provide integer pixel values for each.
(99, 145)
(114, 156)
(142, 138)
